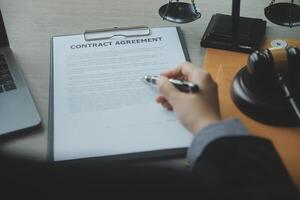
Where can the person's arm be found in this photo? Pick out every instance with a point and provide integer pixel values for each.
(243, 167)
(226, 160)
(212, 132)
(238, 165)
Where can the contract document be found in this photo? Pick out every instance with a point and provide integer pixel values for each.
(100, 105)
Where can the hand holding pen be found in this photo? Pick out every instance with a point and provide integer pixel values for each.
(195, 110)
(181, 85)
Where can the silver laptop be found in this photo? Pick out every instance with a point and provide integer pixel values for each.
(17, 109)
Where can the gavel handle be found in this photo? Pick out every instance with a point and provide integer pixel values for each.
(289, 95)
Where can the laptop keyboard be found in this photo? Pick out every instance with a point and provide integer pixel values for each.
(6, 80)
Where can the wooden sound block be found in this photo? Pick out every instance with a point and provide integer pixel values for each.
(223, 66)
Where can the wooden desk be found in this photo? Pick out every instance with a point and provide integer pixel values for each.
(223, 65)
(31, 23)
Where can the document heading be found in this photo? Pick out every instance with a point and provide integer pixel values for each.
(116, 43)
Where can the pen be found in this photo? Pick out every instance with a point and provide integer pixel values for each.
(183, 86)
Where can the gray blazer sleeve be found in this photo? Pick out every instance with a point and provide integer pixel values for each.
(229, 127)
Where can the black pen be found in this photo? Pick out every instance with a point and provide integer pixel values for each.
(182, 85)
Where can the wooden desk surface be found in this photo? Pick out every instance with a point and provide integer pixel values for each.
(223, 66)
(31, 23)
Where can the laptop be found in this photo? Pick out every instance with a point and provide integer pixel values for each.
(17, 109)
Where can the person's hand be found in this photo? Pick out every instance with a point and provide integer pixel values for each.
(194, 110)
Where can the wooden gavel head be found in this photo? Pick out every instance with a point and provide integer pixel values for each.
(264, 65)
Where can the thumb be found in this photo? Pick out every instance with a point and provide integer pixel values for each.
(167, 89)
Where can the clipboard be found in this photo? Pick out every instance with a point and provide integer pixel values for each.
(98, 35)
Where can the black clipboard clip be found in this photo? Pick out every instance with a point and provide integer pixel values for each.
(105, 34)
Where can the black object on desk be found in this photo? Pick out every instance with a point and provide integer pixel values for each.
(224, 31)
(234, 32)
(283, 14)
(179, 12)
(268, 88)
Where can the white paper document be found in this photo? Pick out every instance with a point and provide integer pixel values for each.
(101, 105)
